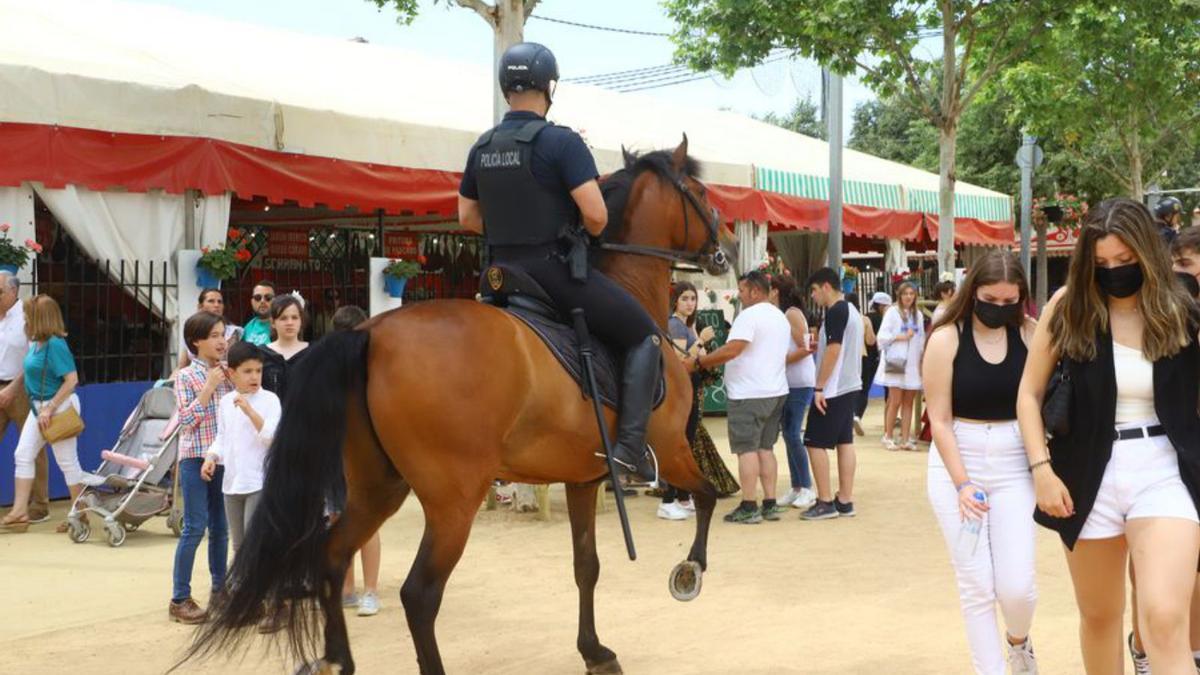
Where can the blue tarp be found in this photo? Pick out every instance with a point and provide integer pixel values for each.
(105, 408)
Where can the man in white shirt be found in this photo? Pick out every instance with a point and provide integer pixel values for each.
(14, 402)
(756, 386)
(839, 379)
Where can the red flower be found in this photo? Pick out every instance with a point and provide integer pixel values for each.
(37, 248)
(421, 259)
(30, 243)
(5, 227)
(243, 255)
(234, 234)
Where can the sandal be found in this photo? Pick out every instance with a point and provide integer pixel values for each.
(908, 446)
(15, 525)
(889, 444)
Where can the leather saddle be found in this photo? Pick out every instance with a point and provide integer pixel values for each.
(511, 289)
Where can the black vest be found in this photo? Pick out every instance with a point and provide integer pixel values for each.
(1080, 458)
(517, 209)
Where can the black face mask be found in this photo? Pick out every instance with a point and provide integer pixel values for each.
(995, 316)
(1120, 282)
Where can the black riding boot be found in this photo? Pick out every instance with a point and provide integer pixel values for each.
(639, 380)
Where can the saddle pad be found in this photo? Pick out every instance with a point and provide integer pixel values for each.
(560, 339)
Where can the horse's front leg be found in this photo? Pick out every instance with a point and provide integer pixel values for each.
(581, 505)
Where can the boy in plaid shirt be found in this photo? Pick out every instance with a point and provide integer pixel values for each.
(198, 388)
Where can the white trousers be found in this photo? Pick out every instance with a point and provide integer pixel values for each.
(31, 442)
(1001, 571)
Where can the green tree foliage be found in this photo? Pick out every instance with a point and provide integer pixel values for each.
(1117, 87)
(878, 39)
(804, 118)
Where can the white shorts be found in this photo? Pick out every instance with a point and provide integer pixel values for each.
(1141, 481)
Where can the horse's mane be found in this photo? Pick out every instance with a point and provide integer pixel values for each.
(618, 186)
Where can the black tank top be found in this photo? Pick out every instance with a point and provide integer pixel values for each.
(982, 390)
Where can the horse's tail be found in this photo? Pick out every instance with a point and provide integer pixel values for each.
(280, 570)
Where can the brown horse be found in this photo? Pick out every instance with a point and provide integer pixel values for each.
(439, 399)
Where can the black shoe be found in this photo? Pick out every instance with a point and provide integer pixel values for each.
(820, 511)
(639, 379)
(844, 509)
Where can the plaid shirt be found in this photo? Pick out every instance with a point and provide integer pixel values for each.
(198, 423)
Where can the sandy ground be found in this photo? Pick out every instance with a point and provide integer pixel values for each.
(874, 594)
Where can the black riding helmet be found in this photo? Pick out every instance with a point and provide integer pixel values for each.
(1167, 207)
(527, 65)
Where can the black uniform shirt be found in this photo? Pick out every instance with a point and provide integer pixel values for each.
(561, 160)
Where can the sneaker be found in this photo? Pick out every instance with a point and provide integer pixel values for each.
(820, 511)
(369, 604)
(844, 509)
(744, 516)
(774, 512)
(888, 443)
(689, 505)
(805, 499)
(672, 511)
(858, 427)
(1141, 662)
(789, 499)
(350, 601)
(1021, 660)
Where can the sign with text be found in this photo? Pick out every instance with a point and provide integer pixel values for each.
(400, 245)
(287, 244)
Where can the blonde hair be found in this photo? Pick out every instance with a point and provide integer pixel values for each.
(1166, 309)
(43, 319)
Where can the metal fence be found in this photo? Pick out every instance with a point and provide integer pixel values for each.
(325, 285)
(115, 314)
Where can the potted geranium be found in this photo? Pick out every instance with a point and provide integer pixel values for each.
(398, 272)
(220, 263)
(13, 257)
(849, 278)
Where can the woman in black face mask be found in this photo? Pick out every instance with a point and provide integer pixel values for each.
(1121, 483)
(979, 483)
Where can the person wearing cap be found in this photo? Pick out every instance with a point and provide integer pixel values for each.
(880, 301)
(1168, 213)
(530, 187)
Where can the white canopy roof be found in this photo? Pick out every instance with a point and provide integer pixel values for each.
(134, 68)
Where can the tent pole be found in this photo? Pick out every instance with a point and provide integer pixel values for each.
(833, 122)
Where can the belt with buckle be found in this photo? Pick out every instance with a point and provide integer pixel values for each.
(1140, 432)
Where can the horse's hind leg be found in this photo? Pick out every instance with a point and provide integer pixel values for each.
(448, 518)
(581, 504)
(374, 491)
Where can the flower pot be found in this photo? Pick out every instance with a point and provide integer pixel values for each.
(11, 269)
(205, 278)
(394, 285)
(848, 284)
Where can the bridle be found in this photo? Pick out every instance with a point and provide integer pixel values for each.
(684, 260)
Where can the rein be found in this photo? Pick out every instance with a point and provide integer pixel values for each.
(684, 260)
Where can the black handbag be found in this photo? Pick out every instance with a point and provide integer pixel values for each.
(1056, 410)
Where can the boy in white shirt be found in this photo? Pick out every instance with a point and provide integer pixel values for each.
(246, 421)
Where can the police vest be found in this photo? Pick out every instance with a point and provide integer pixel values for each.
(517, 209)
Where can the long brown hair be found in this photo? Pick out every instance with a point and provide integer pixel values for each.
(1083, 312)
(899, 305)
(677, 290)
(997, 266)
(785, 286)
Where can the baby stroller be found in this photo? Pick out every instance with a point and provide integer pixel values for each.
(136, 479)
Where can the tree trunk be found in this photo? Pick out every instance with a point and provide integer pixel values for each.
(1137, 189)
(509, 30)
(1042, 292)
(947, 140)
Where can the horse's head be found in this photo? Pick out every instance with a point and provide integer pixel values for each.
(657, 206)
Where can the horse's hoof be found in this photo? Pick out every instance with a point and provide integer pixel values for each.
(609, 667)
(686, 580)
(318, 667)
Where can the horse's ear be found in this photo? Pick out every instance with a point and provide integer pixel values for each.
(628, 157)
(679, 157)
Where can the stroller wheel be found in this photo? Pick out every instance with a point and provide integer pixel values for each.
(131, 527)
(116, 535)
(175, 522)
(78, 531)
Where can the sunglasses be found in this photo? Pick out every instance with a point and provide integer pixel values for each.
(261, 298)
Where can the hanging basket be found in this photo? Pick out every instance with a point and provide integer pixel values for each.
(394, 285)
(848, 284)
(205, 278)
(11, 269)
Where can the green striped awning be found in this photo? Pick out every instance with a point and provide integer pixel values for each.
(983, 207)
(861, 193)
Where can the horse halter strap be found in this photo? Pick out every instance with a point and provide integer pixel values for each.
(712, 225)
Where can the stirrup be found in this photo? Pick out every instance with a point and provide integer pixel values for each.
(652, 484)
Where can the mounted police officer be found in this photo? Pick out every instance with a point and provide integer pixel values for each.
(530, 187)
(1168, 212)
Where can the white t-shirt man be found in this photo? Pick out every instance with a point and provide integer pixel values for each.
(13, 344)
(760, 371)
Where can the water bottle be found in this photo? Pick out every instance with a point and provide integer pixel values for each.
(968, 534)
